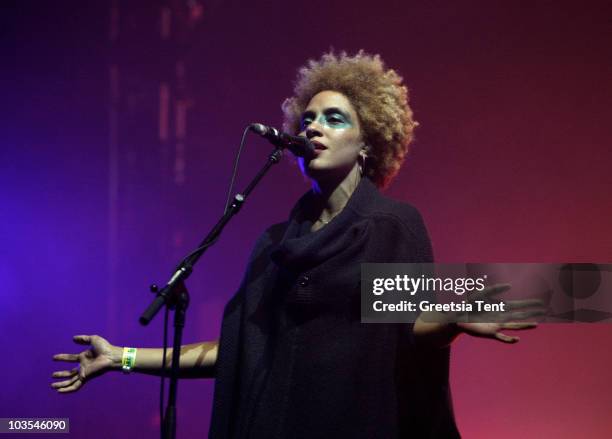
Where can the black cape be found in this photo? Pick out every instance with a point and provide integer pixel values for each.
(294, 360)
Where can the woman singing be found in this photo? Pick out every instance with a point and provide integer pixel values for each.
(293, 359)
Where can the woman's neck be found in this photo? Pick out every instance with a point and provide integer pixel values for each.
(331, 198)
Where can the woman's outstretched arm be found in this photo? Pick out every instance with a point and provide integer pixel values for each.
(196, 361)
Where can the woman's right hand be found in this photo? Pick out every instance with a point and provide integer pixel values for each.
(98, 359)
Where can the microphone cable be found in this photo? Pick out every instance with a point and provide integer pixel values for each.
(235, 170)
(186, 258)
(227, 201)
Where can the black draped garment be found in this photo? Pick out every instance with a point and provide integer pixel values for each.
(294, 359)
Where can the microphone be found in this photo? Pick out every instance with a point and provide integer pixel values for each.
(300, 146)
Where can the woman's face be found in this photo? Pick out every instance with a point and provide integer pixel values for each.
(332, 125)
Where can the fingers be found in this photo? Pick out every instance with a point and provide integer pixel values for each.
(73, 358)
(527, 303)
(506, 338)
(65, 373)
(493, 290)
(76, 376)
(490, 291)
(63, 385)
(82, 339)
(522, 315)
(76, 385)
(518, 326)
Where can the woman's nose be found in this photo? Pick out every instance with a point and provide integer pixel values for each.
(313, 130)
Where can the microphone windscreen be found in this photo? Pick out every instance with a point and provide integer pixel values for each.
(258, 128)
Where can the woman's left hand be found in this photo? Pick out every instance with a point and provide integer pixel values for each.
(490, 324)
(441, 328)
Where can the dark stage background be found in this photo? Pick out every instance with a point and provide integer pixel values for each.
(118, 129)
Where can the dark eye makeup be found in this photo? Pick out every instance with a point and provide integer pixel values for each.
(333, 115)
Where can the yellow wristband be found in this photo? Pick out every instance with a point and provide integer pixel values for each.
(128, 360)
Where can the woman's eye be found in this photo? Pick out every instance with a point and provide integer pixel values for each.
(306, 122)
(335, 120)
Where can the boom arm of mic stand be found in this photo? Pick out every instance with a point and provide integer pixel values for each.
(175, 294)
(186, 266)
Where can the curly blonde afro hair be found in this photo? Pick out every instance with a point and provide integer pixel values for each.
(379, 98)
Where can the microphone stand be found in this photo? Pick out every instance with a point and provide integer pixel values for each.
(175, 295)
